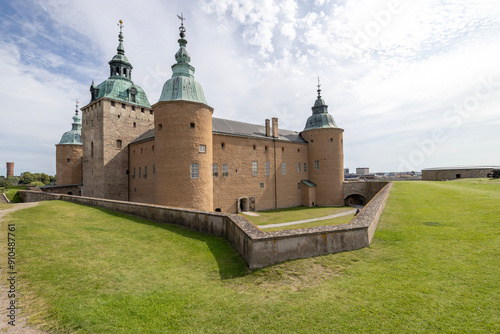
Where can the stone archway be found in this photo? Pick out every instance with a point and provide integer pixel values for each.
(355, 199)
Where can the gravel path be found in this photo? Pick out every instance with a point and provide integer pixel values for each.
(350, 212)
(20, 323)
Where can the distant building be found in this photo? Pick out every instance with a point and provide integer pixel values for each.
(459, 172)
(362, 170)
(346, 171)
(10, 169)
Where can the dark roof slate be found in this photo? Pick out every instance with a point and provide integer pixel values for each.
(234, 128)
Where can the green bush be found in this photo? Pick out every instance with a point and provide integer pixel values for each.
(13, 196)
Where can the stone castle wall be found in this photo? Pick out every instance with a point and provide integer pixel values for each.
(453, 174)
(258, 248)
(69, 164)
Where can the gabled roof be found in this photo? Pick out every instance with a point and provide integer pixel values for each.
(234, 128)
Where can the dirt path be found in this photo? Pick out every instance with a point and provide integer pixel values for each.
(20, 323)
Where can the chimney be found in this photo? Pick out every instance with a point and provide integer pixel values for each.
(268, 128)
(275, 127)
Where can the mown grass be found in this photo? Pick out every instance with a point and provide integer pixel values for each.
(13, 195)
(4, 206)
(293, 214)
(433, 267)
(331, 221)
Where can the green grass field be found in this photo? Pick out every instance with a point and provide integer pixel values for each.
(4, 206)
(433, 267)
(293, 214)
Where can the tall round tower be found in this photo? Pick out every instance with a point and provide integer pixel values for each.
(10, 169)
(183, 138)
(69, 154)
(325, 154)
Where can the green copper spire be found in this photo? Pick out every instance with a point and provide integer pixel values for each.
(74, 136)
(320, 117)
(182, 85)
(119, 86)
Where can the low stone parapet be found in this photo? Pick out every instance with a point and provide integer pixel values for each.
(258, 248)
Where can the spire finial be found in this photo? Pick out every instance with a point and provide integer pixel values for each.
(181, 28)
(76, 110)
(319, 89)
(120, 48)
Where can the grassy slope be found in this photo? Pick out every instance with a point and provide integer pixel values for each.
(332, 221)
(433, 267)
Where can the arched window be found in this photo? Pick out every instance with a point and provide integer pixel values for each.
(119, 144)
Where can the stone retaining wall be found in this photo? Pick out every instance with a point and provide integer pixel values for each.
(258, 248)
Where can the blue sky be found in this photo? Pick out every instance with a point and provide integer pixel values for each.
(414, 84)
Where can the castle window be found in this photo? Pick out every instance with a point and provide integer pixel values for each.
(92, 150)
(151, 112)
(331, 139)
(225, 170)
(123, 105)
(267, 168)
(119, 144)
(312, 140)
(222, 145)
(254, 147)
(195, 171)
(133, 175)
(298, 167)
(140, 172)
(298, 185)
(146, 172)
(215, 170)
(142, 110)
(142, 150)
(316, 164)
(203, 149)
(160, 126)
(133, 107)
(265, 148)
(68, 160)
(118, 116)
(152, 148)
(305, 166)
(282, 149)
(112, 103)
(283, 168)
(298, 150)
(255, 170)
(135, 124)
(191, 125)
(262, 185)
(154, 171)
(132, 99)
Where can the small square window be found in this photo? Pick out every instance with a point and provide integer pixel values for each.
(135, 124)
(68, 160)
(142, 109)
(133, 108)
(151, 112)
(123, 105)
(191, 125)
(331, 139)
(265, 148)
(254, 147)
(222, 145)
(112, 103)
(282, 149)
(203, 149)
(160, 127)
(119, 116)
(262, 185)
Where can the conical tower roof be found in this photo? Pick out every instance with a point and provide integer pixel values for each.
(182, 85)
(74, 136)
(320, 117)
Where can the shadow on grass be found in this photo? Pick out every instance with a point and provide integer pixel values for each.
(229, 261)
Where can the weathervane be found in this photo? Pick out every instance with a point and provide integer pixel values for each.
(77, 106)
(120, 25)
(182, 29)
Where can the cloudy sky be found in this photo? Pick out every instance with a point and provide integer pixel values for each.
(414, 84)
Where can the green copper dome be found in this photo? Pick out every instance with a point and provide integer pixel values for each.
(320, 118)
(182, 85)
(74, 136)
(119, 86)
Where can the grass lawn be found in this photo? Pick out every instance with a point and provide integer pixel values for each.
(433, 267)
(4, 206)
(293, 214)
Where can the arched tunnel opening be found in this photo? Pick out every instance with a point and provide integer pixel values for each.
(355, 199)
